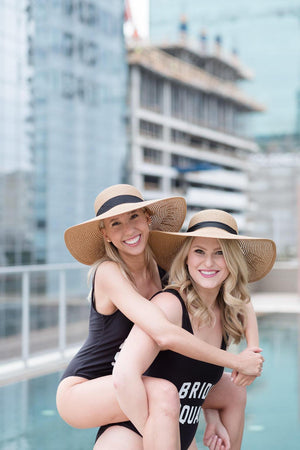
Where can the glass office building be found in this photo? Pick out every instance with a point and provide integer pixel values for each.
(266, 36)
(73, 65)
(78, 57)
(16, 169)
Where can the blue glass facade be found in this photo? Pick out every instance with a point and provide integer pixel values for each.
(78, 61)
(62, 119)
(266, 35)
(16, 189)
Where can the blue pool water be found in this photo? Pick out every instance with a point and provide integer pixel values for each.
(29, 420)
(273, 404)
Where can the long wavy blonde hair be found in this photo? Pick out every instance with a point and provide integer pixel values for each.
(232, 297)
(112, 254)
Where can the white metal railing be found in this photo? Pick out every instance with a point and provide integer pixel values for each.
(60, 298)
(23, 295)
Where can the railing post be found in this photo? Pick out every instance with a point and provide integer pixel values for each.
(25, 317)
(62, 312)
(298, 239)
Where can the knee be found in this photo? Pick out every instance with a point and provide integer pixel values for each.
(238, 397)
(226, 395)
(165, 399)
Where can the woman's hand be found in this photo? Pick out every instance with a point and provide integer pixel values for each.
(250, 361)
(215, 435)
(241, 380)
(216, 443)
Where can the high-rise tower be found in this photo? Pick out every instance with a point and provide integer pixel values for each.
(64, 115)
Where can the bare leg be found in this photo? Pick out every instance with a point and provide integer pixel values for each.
(230, 400)
(193, 445)
(116, 438)
(162, 427)
(91, 403)
(86, 403)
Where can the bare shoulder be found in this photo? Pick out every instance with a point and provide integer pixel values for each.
(106, 271)
(107, 266)
(170, 305)
(107, 276)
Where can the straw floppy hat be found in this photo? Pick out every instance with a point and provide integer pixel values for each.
(85, 241)
(260, 253)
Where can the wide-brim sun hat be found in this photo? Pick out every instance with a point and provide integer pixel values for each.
(85, 241)
(260, 253)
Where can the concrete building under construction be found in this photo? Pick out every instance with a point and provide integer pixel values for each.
(187, 118)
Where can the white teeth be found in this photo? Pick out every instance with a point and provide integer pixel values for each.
(133, 240)
(208, 272)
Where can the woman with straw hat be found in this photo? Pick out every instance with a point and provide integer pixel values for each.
(209, 267)
(125, 274)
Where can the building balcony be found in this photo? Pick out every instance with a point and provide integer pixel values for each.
(220, 178)
(213, 198)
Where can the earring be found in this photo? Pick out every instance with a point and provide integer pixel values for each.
(108, 240)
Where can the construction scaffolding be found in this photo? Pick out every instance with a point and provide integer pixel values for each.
(168, 66)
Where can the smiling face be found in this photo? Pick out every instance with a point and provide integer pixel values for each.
(206, 264)
(128, 232)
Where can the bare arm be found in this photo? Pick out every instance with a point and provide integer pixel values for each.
(252, 338)
(215, 435)
(167, 335)
(137, 354)
(251, 332)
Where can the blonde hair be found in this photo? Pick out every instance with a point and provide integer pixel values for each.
(232, 297)
(112, 254)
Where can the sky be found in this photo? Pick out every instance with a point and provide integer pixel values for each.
(140, 16)
(272, 55)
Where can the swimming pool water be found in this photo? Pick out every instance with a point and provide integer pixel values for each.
(29, 420)
(273, 400)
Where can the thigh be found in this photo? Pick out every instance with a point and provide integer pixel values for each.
(225, 393)
(118, 437)
(86, 403)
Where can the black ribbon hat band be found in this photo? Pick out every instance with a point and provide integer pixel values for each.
(213, 224)
(118, 200)
(121, 199)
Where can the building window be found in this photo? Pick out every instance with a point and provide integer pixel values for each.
(78, 88)
(150, 155)
(183, 162)
(187, 104)
(213, 111)
(67, 45)
(41, 223)
(178, 101)
(150, 129)
(176, 183)
(151, 93)
(152, 183)
(180, 137)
